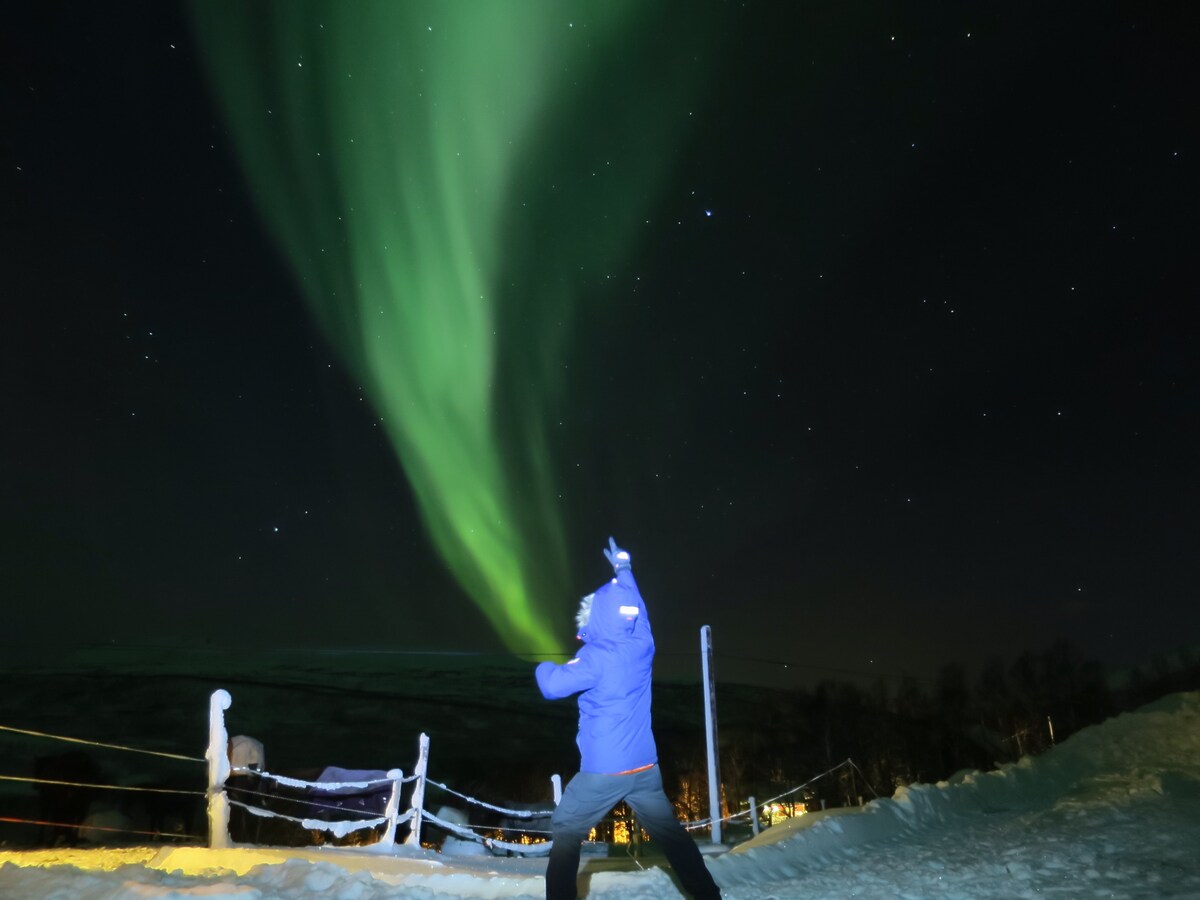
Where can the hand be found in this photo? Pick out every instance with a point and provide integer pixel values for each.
(618, 558)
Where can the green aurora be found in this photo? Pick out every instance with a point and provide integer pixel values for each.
(447, 181)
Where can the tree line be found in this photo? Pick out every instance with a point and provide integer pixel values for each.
(908, 732)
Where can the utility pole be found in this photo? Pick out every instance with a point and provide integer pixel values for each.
(710, 732)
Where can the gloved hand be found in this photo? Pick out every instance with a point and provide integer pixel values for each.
(618, 558)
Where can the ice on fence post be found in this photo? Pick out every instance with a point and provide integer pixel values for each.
(418, 794)
(388, 841)
(218, 770)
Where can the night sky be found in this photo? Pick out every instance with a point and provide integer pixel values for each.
(865, 327)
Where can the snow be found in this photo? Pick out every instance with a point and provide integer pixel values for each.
(1112, 812)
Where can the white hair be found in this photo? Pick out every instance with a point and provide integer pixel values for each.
(585, 612)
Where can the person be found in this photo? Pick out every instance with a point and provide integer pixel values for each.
(618, 757)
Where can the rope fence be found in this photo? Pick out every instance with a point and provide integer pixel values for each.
(89, 827)
(266, 813)
(470, 832)
(323, 785)
(753, 810)
(101, 787)
(338, 829)
(514, 813)
(537, 848)
(9, 819)
(314, 797)
(72, 740)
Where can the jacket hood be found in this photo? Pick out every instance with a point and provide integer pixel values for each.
(608, 614)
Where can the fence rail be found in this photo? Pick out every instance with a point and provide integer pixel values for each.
(219, 800)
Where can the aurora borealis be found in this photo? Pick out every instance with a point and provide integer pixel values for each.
(364, 325)
(393, 149)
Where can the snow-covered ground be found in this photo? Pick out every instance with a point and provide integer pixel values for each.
(1112, 812)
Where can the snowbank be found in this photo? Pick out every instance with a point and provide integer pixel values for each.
(1150, 752)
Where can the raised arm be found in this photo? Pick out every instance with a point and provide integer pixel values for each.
(622, 564)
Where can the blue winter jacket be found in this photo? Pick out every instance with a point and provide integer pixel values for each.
(613, 671)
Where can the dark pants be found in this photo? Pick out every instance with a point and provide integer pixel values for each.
(586, 801)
